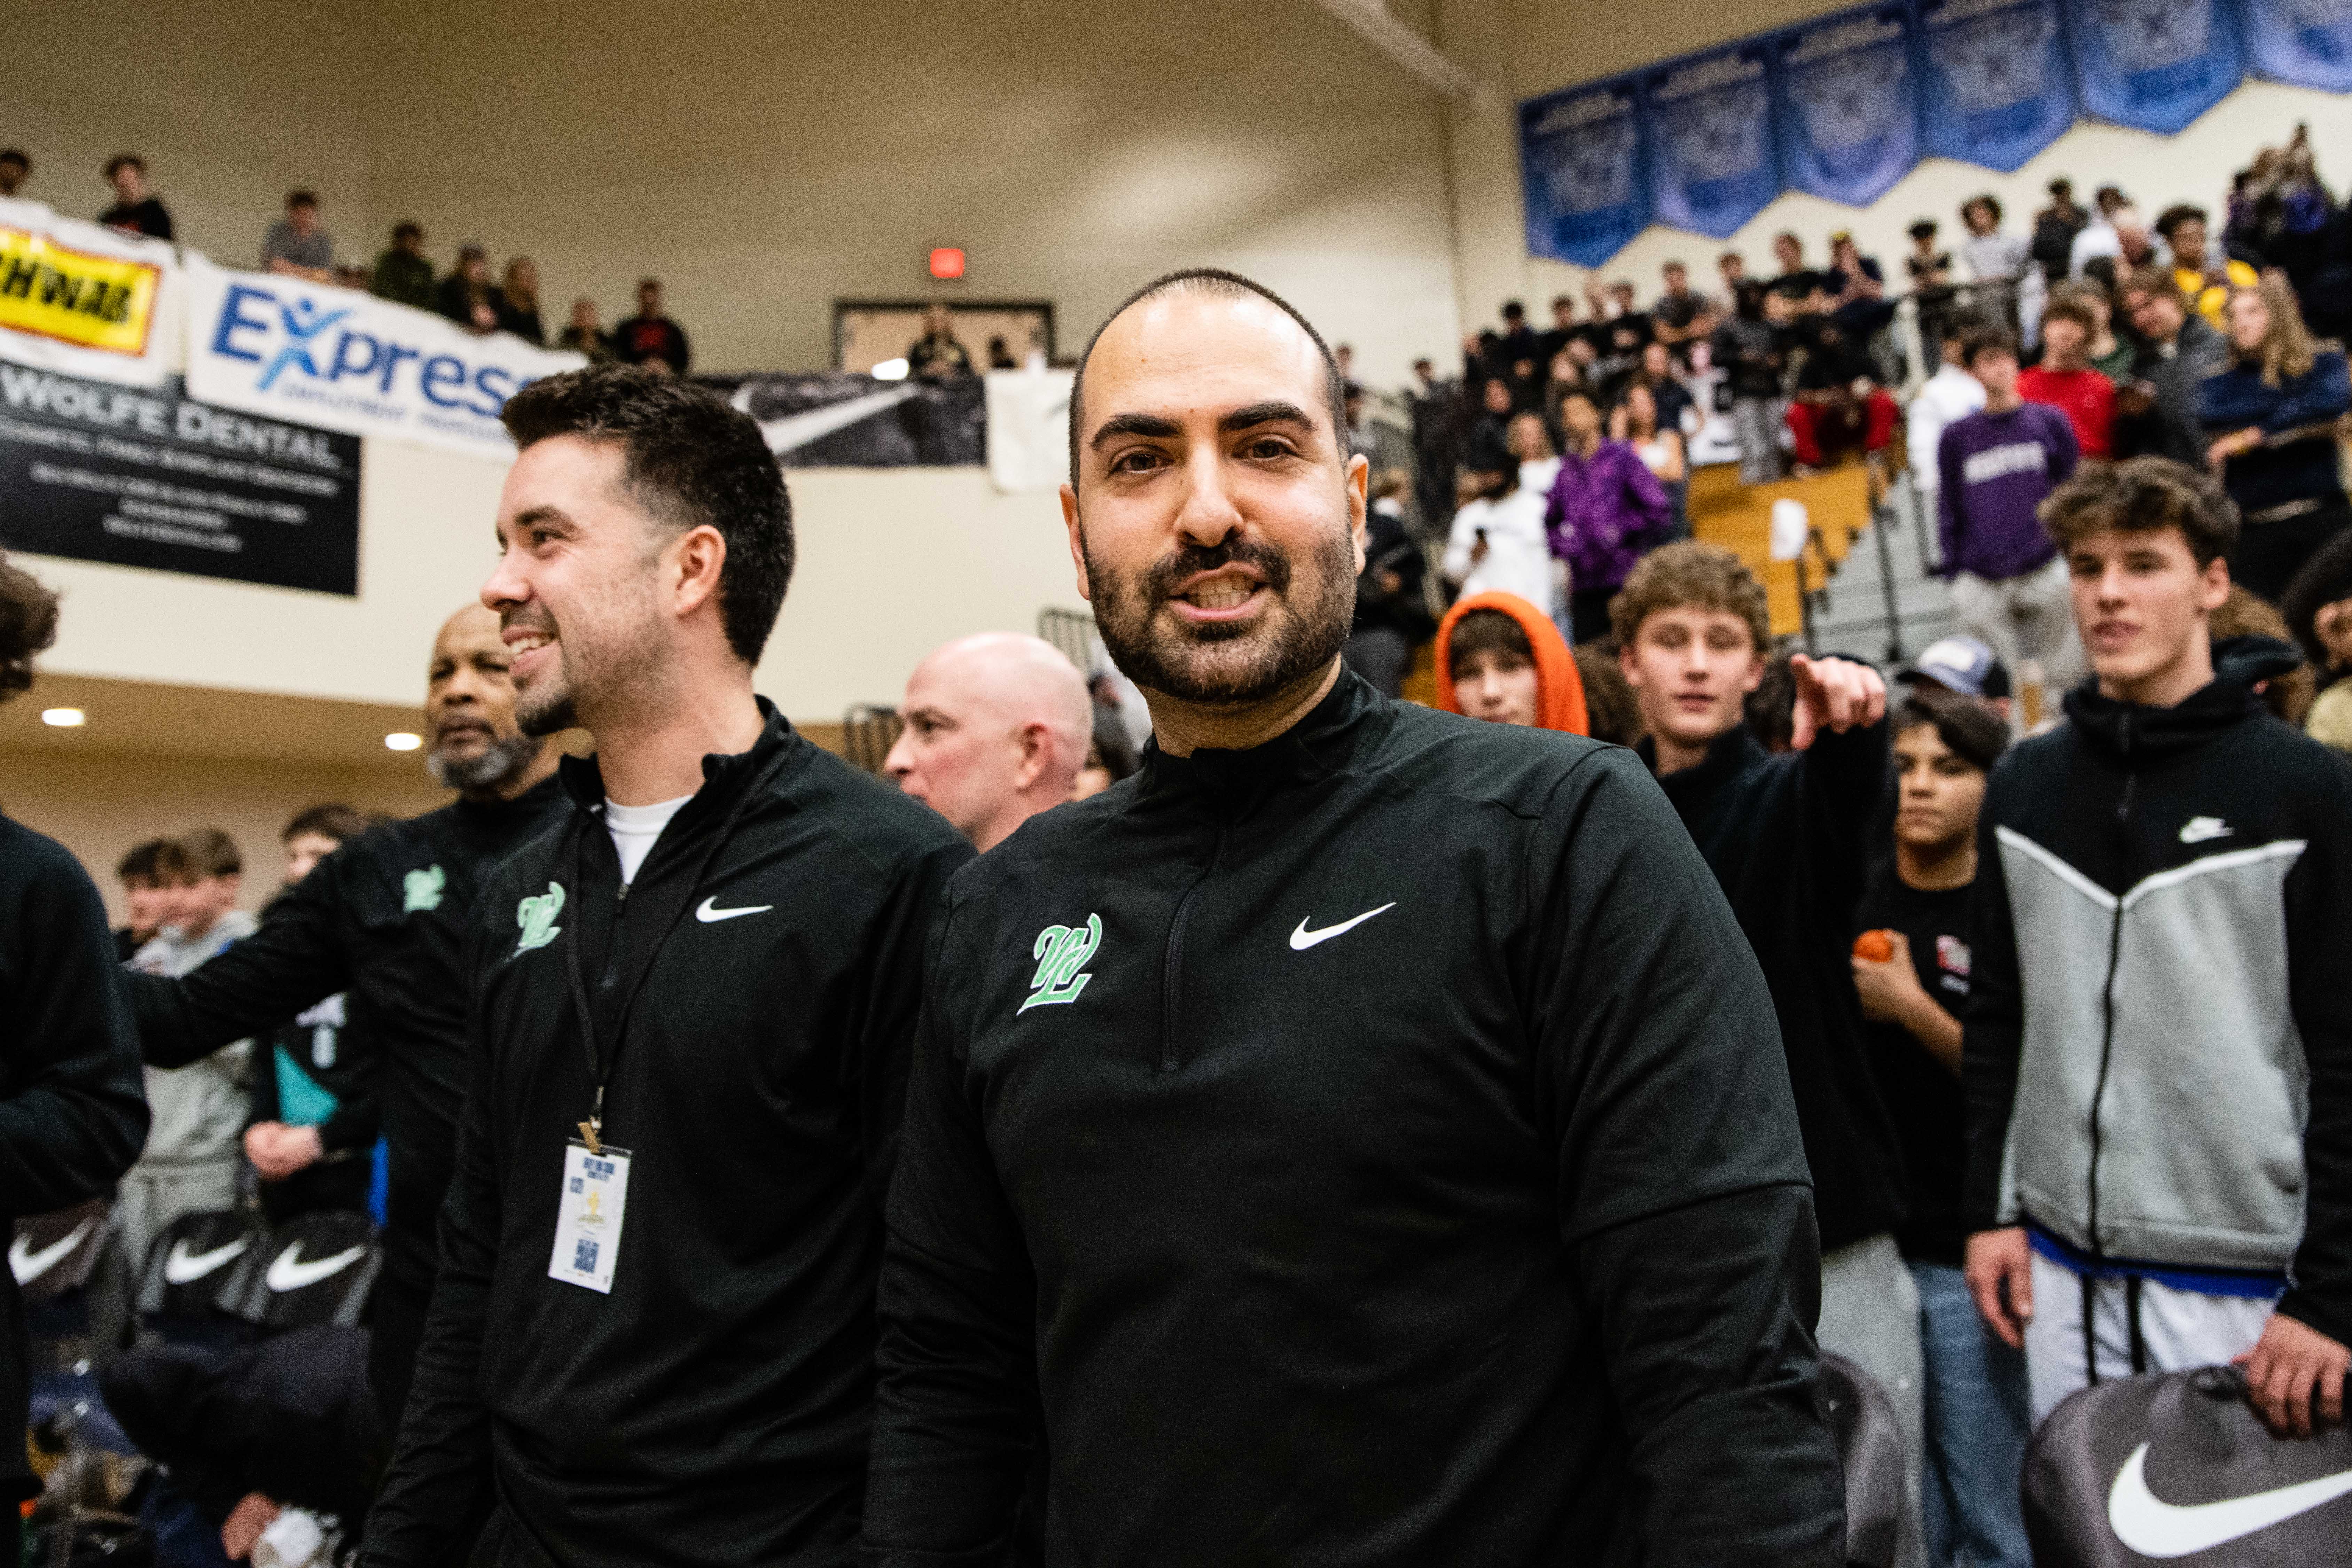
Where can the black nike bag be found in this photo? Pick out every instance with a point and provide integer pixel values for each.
(2178, 1468)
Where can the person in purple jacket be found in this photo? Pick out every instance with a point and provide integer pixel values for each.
(2009, 583)
(1605, 512)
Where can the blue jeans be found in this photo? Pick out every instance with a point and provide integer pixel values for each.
(1977, 1427)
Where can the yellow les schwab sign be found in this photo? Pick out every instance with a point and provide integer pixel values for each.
(76, 297)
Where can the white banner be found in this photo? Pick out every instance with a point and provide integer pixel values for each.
(1029, 428)
(317, 354)
(85, 300)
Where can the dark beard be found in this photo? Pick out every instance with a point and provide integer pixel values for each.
(550, 715)
(500, 762)
(1195, 663)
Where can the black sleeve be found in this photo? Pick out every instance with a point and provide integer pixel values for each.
(1845, 781)
(954, 1419)
(1992, 1030)
(889, 1012)
(73, 1111)
(296, 958)
(357, 1120)
(1685, 1200)
(2318, 934)
(437, 1491)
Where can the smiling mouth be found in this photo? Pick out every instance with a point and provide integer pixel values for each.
(1220, 591)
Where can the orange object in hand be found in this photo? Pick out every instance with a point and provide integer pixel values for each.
(1878, 946)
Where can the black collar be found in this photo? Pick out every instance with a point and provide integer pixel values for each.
(1728, 756)
(1350, 717)
(724, 774)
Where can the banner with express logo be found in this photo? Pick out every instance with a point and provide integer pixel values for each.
(322, 355)
(82, 300)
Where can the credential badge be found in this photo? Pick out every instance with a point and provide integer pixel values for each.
(536, 916)
(1062, 952)
(422, 889)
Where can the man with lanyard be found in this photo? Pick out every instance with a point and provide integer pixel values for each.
(384, 919)
(653, 1335)
(1361, 1137)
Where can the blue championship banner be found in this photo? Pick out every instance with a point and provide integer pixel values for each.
(1580, 170)
(2156, 65)
(1712, 162)
(1847, 109)
(1999, 86)
(2307, 42)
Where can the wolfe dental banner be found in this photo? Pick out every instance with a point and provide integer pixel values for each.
(1999, 85)
(1581, 170)
(1712, 161)
(2307, 42)
(1846, 106)
(138, 477)
(84, 300)
(2155, 64)
(296, 351)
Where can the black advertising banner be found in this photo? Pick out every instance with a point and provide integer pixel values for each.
(151, 479)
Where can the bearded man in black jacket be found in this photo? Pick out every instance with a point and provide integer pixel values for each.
(384, 919)
(1358, 1138)
(652, 1338)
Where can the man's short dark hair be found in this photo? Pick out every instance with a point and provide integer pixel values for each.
(28, 622)
(1974, 732)
(1923, 229)
(1674, 264)
(141, 863)
(407, 229)
(1990, 202)
(1214, 281)
(1994, 338)
(301, 199)
(1956, 327)
(1559, 300)
(2173, 216)
(1486, 631)
(2324, 579)
(649, 282)
(328, 819)
(1510, 308)
(2140, 495)
(2067, 304)
(119, 159)
(2156, 282)
(17, 155)
(208, 852)
(1576, 391)
(689, 460)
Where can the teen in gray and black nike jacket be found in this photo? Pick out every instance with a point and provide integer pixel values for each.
(2159, 1049)
(385, 918)
(1362, 1143)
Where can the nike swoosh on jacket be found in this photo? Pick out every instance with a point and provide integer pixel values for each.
(1364, 1254)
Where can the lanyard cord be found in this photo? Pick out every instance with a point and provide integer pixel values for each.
(599, 1071)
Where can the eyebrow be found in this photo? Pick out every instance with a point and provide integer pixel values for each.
(546, 514)
(1274, 411)
(1133, 425)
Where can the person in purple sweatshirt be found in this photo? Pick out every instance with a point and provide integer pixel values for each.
(2009, 583)
(1605, 512)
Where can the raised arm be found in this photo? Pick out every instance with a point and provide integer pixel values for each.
(296, 959)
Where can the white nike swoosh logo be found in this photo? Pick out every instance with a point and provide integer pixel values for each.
(182, 1266)
(1302, 939)
(2154, 1528)
(286, 1273)
(27, 1264)
(709, 913)
(2199, 832)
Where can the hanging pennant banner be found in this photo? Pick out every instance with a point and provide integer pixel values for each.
(2307, 42)
(85, 300)
(1712, 164)
(1581, 169)
(1997, 85)
(1847, 109)
(2156, 65)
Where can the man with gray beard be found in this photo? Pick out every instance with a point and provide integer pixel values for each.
(384, 919)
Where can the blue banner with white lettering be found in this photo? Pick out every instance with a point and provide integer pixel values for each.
(1997, 85)
(1712, 162)
(2155, 64)
(1581, 167)
(1847, 109)
(2307, 42)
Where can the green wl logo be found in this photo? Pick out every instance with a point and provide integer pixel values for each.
(422, 889)
(1062, 951)
(536, 915)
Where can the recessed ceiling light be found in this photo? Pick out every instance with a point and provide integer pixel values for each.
(402, 741)
(64, 718)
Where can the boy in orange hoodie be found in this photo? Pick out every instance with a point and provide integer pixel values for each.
(1501, 659)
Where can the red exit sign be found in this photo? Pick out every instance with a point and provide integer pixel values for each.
(947, 261)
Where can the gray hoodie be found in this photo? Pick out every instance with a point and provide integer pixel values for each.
(198, 1112)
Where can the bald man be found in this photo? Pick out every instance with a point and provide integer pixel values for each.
(384, 918)
(996, 732)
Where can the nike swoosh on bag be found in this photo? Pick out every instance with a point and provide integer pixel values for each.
(184, 1266)
(288, 1272)
(710, 913)
(1302, 939)
(27, 1264)
(2154, 1528)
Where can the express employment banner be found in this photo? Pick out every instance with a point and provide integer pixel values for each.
(2155, 64)
(2307, 42)
(83, 299)
(101, 472)
(1846, 103)
(1712, 162)
(1581, 169)
(1999, 85)
(296, 350)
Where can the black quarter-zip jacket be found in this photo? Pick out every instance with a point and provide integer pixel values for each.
(387, 919)
(714, 1407)
(1369, 1148)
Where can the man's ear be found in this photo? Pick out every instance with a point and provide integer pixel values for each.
(1036, 743)
(700, 556)
(1625, 665)
(1360, 481)
(1755, 673)
(2214, 591)
(1077, 544)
